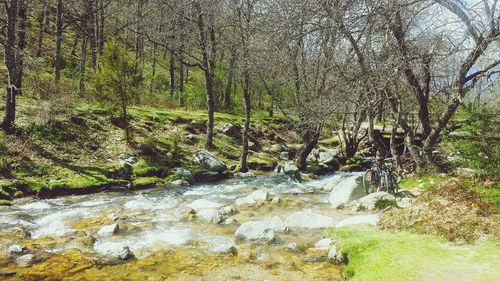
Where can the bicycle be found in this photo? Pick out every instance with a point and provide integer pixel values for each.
(380, 177)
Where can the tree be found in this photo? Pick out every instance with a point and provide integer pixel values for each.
(118, 80)
(14, 43)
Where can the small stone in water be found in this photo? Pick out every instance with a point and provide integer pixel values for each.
(324, 243)
(108, 230)
(25, 260)
(15, 250)
(180, 183)
(113, 217)
(125, 254)
(292, 247)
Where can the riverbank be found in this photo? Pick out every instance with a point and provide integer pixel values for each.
(81, 149)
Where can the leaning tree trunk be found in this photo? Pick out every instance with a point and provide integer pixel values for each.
(310, 140)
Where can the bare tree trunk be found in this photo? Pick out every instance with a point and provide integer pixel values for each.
(102, 21)
(246, 85)
(171, 70)
(229, 82)
(59, 33)
(153, 70)
(310, 140)
(73, 51)
(91, 34)
(125, 116)
(181, 84)
(208, 67)
(41, 28)
(83, 62)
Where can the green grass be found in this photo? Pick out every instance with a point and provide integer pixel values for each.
(4, 202)
(423, 182)
(141, 183)
(379, 255)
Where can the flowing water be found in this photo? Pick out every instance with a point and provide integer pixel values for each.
(62, 231)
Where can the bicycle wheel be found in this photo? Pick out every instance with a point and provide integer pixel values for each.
(367, 181)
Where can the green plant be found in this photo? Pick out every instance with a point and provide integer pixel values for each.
(118, 80)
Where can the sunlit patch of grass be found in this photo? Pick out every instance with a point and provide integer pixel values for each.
(380, 255)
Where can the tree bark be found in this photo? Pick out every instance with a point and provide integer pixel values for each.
(171, 70)
(41, 28)
(229, 82)
(59, 34)
(208, 67)
(91, 33)
(310, 140)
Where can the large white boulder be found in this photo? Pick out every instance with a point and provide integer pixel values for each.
(200, 204)
(255, 231)
(370, 200)
(210, 215)
(307, 219)
(329, 157)
(253, 198)
(208, 161)
(345, 191)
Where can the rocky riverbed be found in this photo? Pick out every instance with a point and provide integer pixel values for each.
(257, 228)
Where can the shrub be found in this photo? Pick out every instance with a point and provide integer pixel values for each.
(451, 210)
(479, 148)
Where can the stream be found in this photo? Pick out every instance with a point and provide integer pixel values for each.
(63, 236)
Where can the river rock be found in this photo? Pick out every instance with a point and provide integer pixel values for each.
(285, 155)
(253, 198)
(323, 243)
(15, 250)
(126, 158)
(222, 245)
(208, 161)
(329, 157)
(334, 255)
(371, 219)
(183, 173)
(277, 225)
(113, 217)
(184, 183)
(345, 191)
(292, 247)
(255, 231)
(108, 230)
(370, 200)
(26, 260)
(230, 130)
(199, 204)
(210, 215)
(307, 219)
(125, 254)
(244, 175)
(228, 210)
(184, 212)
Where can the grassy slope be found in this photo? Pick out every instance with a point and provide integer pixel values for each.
(78, 152)
(378, 255)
